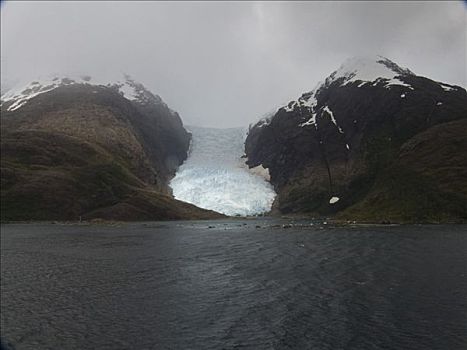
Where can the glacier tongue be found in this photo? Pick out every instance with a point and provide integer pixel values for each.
(215, 176)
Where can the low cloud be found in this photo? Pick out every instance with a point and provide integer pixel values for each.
(225, 64)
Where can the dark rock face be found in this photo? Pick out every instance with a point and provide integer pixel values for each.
(342, 140)
(82, 150)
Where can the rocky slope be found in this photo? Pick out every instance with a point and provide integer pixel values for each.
(78, 146)
(373, 142)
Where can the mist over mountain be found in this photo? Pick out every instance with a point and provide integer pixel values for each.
(224, 64)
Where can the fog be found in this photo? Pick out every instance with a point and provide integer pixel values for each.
(225, 64)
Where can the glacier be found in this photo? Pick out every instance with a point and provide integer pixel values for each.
(215, 175)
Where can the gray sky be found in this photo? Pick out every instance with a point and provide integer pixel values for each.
(225, 64)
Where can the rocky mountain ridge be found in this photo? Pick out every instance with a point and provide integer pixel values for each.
(82, 148)
(124, 84)
(344, 144)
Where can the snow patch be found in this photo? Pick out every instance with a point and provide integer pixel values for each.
(291, 106)
(334, 200)
(309, 102)
(439, 103)
(333, 119)
(311, 121)
(370, 69)
(403, 96)
(263, 122)
(447, 87)
(261, 171)
(266, 118)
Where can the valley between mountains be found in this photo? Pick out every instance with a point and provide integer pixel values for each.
(374, 142)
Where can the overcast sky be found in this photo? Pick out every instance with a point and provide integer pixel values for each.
(226, 64)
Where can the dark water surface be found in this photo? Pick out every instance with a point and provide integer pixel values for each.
(233, 286)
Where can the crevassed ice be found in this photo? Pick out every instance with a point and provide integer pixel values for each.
(215, 176)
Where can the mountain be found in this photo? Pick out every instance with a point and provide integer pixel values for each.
(373, 142)
(81, 147)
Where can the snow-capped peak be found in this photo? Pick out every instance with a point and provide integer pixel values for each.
(369, 69)
(376, 70)
(20, 94)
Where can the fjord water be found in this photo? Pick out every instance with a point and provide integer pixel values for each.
(231, 284)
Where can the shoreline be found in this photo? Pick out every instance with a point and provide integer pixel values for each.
(290, 221)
